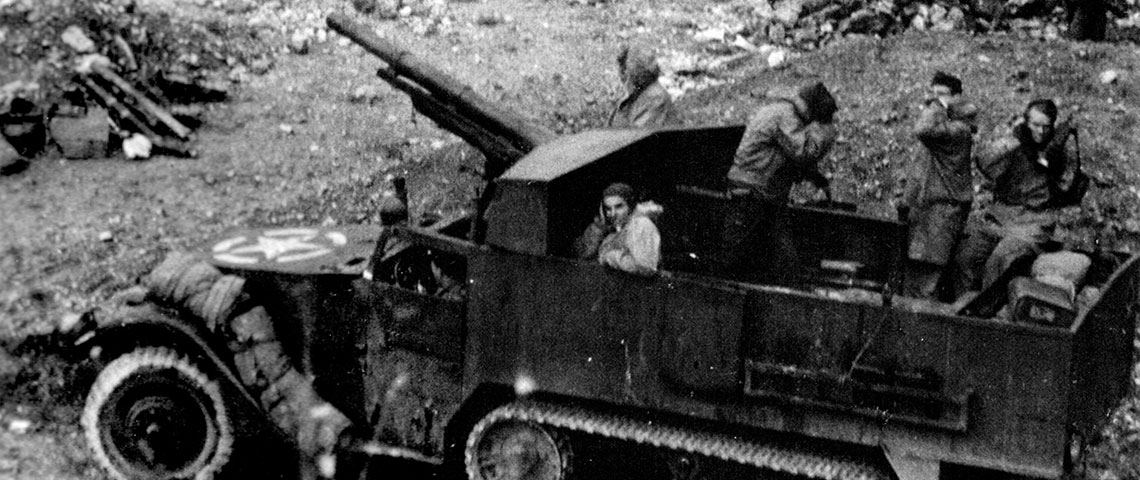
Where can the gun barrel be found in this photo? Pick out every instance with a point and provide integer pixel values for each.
(500, 152)
(522, 134)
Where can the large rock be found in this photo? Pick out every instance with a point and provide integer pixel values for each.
(77, 39)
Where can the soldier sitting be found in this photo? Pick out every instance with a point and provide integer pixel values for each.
(622, 236)
(1031, 172)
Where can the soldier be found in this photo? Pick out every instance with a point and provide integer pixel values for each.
(782, 145)
(939, 188)
(1030, 172)
(646, 103)
(623, 236)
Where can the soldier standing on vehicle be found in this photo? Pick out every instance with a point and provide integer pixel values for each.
(1033, 171)
(783, 144)
(939, 187)
(623, 236)
(646, 103)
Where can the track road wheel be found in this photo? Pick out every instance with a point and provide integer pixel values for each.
(151, 414)
(515, 450)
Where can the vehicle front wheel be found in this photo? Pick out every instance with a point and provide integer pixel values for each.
(152, 414)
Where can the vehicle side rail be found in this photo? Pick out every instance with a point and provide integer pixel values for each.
(902, 403)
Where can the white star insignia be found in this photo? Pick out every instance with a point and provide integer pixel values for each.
(281, 246)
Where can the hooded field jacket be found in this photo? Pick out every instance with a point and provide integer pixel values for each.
(779, 149)
(1021, 173)
(944, 175)
(636, 246)
(650, 106)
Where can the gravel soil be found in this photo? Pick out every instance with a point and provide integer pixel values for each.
(295, 147)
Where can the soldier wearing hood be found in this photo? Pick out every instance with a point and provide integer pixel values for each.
(623, 236)
(782, 145)
(939, 189)
(646, 103)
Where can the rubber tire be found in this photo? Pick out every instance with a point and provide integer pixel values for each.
(137, 365)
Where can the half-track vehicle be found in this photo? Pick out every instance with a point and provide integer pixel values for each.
(479, 347)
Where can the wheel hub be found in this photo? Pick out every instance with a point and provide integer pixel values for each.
(514, 451)
(161, 427)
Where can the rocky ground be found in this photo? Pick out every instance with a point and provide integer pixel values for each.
(311, 136)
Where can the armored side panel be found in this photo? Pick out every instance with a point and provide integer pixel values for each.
(927, 385)
(1103, 352)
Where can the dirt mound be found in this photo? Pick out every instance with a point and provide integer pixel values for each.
(46, 36)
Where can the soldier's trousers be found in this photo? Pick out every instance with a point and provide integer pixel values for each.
(992, 245)
(757, 243)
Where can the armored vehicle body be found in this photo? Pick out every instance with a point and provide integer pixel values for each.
(480, 347)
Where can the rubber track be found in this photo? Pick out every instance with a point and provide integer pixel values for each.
(747, 452)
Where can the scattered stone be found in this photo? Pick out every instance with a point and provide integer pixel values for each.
(137, 146)
(86, 63)
(937, 13)
(285, 128)
(238, 74)
(918, 22)
(777, 32)
(75, 38)
(956, 16)
(1108, 77)
(299, 42)
(788, 11)
(69, 321)
(368, 93)
(866, 22)
(777, 58)
(105, 236)
(19, 426)
(743, 43)
(715, 34)
(260, 66)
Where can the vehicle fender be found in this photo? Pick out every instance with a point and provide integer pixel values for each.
(128, 328)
